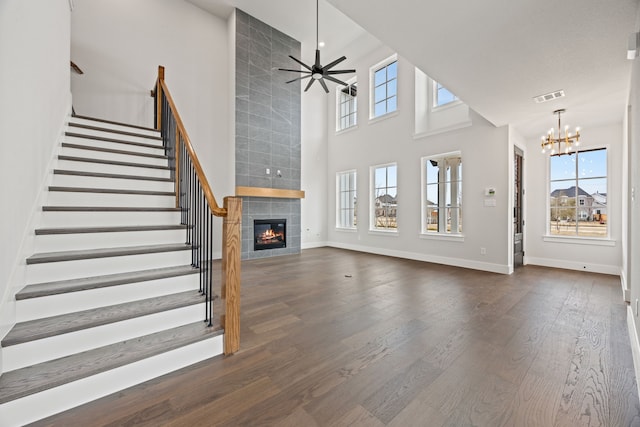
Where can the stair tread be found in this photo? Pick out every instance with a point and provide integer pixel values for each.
(107, 209)
(113, 229)
(113, 122)
(120, 132)
(116, 140)
(44, 257)
(112, 162)
(110, 175)
(47, 375)
(65, 323)
(113, 151)
(37, 290)
(111, 191)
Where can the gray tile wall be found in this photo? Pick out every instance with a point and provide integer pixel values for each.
(267, 128)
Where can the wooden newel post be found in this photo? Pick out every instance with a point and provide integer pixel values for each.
(230, 291)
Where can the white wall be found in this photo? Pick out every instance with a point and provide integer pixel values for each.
(485, 156)
(633, 119)
(561, 252)
(119, 45)
(34, 100)
(314, 167)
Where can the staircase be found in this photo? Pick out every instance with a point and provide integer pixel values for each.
(111, 298)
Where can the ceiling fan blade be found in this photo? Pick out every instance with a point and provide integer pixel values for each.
(324, 85)
(340, 71)
(309, 85)
(318, 59)
(332, 79)
(299, 78)
(334, 63)
(301, 63)
(294, 71)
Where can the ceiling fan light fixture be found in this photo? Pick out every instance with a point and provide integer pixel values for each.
(317, 71)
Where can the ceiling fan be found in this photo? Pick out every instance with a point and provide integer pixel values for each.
(317, 71)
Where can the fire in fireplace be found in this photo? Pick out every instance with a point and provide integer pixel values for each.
(269, 234)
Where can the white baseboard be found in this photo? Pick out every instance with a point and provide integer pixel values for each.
(455, 262)
(635, 345)
(575, 265)
(626, 292)
(312, 245)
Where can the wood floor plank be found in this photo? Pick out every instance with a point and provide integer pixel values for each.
(401, 343)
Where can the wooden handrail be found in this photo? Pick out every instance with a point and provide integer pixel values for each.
(231, 213)
(206, 188)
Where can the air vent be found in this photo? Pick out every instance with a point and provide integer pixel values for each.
(549, 96)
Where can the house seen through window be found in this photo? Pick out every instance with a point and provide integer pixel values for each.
(347, 199)
(578, 194)
(442, 194)
(385, 197)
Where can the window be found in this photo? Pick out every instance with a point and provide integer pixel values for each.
(347, 107)
(385, 198)
(442, 95)
(384, 87)
(442, 194)
(347, 200)
(578, 194)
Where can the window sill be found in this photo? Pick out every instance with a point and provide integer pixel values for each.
(347, 229)
(455, 126)
(442, 236)
(381, 232)
(373, 120)
(346, 130)
(448, 105)
(580, 240)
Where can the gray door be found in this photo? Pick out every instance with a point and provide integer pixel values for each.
(518, 221)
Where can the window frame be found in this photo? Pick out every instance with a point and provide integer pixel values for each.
(444, 186)
(604, 240)
(353, 111)
(372, 194)
(372, 88)
(353, 177)
(434, 102)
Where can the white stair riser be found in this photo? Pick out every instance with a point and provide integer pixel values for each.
(77, 241)
(116, 145)
(107, 168)
(107, 219)
(54, 305)
(54, 271)
(110, 126)
(72, 198)
(63, 180)
(91, 154)
(46, 403)
(27, 354)
(114, 135)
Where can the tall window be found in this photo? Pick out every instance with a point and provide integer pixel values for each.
(347, 199)
(442, 194)
(442, 95)
(578, 194)
(385, 88)
(385, 197)
(347, 106)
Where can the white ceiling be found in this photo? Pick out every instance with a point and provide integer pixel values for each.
(496, 55)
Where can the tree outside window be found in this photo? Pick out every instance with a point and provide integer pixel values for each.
(385, 198)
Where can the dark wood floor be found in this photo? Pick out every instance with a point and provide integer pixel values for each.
(339, 338)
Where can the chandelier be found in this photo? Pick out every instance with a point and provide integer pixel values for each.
(555, 145)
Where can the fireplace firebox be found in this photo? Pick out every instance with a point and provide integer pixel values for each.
(269, 234)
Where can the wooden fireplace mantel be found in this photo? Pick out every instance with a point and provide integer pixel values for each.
(269, 192)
